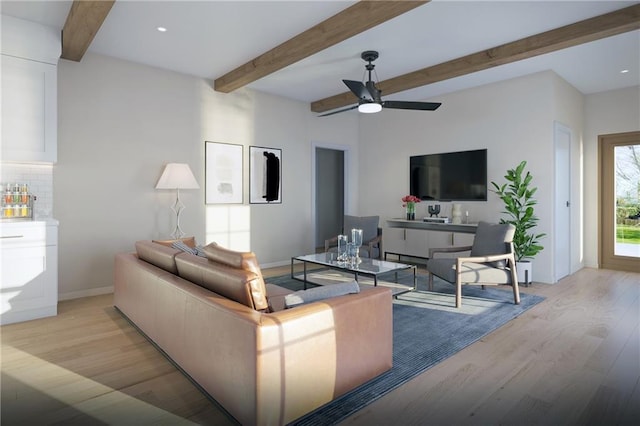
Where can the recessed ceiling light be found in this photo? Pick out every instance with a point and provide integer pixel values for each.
(161, 29)
(624, 71)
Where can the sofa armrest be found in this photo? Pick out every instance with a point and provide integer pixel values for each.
(330, 347)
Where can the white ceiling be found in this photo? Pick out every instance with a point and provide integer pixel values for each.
(210, 38)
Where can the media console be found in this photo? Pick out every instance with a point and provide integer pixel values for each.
(430, 225)
(462, 228)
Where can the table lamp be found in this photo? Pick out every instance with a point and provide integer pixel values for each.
(177, 176)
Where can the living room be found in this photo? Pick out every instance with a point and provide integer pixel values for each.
(105, 105)
(120, 122)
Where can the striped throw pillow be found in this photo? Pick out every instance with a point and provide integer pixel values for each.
(179, 245)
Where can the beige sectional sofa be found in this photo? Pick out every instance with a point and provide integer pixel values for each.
(218, 321)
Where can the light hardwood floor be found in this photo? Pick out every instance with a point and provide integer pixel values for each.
(573, 359)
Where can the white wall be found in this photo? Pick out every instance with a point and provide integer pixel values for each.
(569, 111)
(340, 131)
(120, 123)
(616, 111)
(512, 119)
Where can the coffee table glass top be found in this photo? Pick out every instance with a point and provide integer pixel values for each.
(367, 266)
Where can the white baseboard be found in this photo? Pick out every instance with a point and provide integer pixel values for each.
(275, 264)
(85, 293)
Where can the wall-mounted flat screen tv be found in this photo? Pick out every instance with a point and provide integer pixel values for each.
(451, 176)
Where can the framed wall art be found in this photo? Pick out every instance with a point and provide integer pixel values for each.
(223, 173)
(265, 172)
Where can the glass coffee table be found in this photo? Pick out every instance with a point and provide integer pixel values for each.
(372, 268)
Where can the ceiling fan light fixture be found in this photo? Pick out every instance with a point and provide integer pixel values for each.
(370, 107)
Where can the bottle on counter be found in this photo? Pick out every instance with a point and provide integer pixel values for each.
(24, 193)
(16, 193)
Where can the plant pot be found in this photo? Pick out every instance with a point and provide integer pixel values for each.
(524, 269)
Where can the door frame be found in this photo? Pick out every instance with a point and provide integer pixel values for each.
(607, 259)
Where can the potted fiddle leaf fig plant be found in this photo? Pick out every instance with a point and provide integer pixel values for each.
(517, 195)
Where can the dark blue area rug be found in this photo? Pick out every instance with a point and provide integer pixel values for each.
(427, 328)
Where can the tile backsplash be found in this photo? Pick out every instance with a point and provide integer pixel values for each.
(40, 181)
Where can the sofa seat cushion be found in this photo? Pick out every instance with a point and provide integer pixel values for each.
(158, 255)
(236, 284)
(320, 293)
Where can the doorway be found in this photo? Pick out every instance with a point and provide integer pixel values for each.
(562, 213)
(619, 201)
(329, 193)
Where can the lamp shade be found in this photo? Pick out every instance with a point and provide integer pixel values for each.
(177, 176)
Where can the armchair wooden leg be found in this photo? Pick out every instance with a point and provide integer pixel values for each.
(514, 281)
(458, 292)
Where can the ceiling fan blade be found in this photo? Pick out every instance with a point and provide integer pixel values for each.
(358, 89)
(375, 93)
(422, 106)
(340, 110)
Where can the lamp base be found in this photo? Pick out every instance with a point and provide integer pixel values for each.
(177, 208)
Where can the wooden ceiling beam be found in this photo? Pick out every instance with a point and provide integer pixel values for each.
(83, 22)
(353, 20)
(607, 25)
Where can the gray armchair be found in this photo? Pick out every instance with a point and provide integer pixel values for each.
(371, 235)
(490, 262)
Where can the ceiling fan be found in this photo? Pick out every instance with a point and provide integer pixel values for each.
(369, 96)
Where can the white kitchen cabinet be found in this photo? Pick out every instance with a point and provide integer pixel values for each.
(29, 270)
(29, 111)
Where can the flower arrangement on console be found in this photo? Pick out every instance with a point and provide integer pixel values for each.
(409, 202)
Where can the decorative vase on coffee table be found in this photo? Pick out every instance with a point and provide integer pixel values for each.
(342, 248)
(356, 239)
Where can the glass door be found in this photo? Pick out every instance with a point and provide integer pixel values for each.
(627, 176)
(620, 201)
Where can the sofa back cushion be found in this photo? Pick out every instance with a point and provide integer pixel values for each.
(158, 255)
(235, 259)
(236, 284)
(246, 261)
